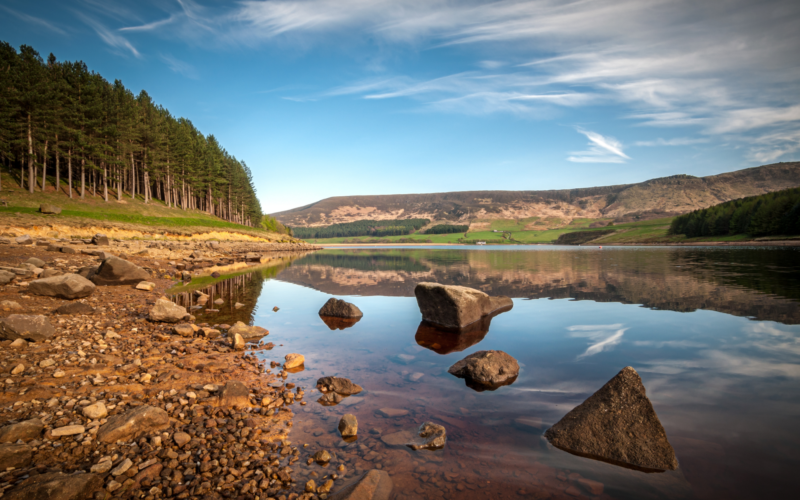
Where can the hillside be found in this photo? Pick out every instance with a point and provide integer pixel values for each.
(666, 196)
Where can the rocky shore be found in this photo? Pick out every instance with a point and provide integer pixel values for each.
(103, 402)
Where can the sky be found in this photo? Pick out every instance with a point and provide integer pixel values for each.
(356, 97)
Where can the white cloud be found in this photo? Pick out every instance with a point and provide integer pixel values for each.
(678, 141)
(109, 37)
(33, 20)
(602, 149)
(603, 337)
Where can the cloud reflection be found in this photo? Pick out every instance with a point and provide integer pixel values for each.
(603, 337)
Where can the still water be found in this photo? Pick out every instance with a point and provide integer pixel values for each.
(713, 333)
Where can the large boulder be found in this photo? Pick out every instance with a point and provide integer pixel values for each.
(247, 332)
(115, 271)
(338, 308)
(486, 370)
(100, 239)
(29, 327)
(66, 286)
(133, 424)
(15, 455)
(616, 424)
(6, 277)
(47, 208)
(372, 485)
(26, 430)
(340, 385)
(167, 311)
(456, 307)
(56, 486)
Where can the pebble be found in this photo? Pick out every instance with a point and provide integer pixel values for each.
(68, 430)
(18, 369)
(122, 468)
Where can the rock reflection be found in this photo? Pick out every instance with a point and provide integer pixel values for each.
(445, 341)
(339, 323)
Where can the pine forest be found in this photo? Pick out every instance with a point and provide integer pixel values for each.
(66, 128)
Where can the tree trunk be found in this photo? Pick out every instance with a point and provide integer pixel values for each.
(105, 183)
(133, 177)
(69, 170)
(58, 179)
(83, 178)
(31, 180)
(119, 182)
(44, 164)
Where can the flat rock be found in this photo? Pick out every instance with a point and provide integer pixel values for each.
(181, 439)
(56, 486)
(430, 437)
(616, 424)
(372, 485)
(115, 271)
(68, 430)
(75, 308)
(15, 455)
(35, 262)
(486, 370)
(456, 307)
(66, 286)
(247, 332)
(146, 285)
(26, 431)
(339, 385)
(184, 330)
(132, 424)
(167, 311)
(95, 411)
(348, 425)
(338, 308)
(22, 326)
(234, 395)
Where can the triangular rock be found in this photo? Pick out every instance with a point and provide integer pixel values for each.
(617, 424)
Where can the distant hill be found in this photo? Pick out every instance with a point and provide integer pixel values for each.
(665, 196)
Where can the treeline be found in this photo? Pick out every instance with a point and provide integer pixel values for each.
(769, 214)
(270, 223)
(66, 127)
(447, 229)
(361, 228)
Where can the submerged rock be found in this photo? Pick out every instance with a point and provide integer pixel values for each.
(372, 485)
(348, 425)
(616, 424)
(456, 307)
(57, 486)
(294, 360)
(66, 286)
(338, 308)
(115, 271)
(486, 369)
(339, 385)
(431, 437)
(22, 326)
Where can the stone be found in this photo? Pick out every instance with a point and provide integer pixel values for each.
(15, 455)
(219, 302)
(215, 274)
(238, 305)
(49, 273)
(18, 369)
(19, 344)
(115, 271)
(146, 285)
(6, 277)
(348, 425)
(252, 257)
(294, 360)
(322, 457)
(102, 467)
(184, 330)
(47, 208)
(75, 308)
(371, 485)
(311, 486)
(29, 327)
(68, 430)
(234, 395)
(616, 424)
(46, 363)
(25, 239)
(431, 437)
(88, 272)
(338, 308)
(247, 332)
(95, 411)
(392, 412)
(456, 307)
(26, 430)
(70, 250)
(330, 399)
(133, 424)
(238, 342)
(340, 385)
(122, 468)
(167, 311)
(486, 370)
(36, 262)
(10, 305)
(56, 486)
(66, 286)
(181, 439)
(100, 239)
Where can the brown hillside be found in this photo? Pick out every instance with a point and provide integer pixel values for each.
(672, 195)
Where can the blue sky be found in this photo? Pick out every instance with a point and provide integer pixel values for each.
(342, 97)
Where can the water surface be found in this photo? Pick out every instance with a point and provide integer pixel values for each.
(712, 332)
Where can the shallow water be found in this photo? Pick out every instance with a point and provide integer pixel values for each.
(713, 333)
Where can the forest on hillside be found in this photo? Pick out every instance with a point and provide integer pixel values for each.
(65, 128)
(447, 229)
(770, 214)
(361, 228)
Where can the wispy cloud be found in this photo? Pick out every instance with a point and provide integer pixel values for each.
(33, 20)
(602, 149)
(109, 37)
(603, 337)
(678, 141)
(180, 67)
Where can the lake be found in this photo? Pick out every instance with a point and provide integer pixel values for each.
(713, 332)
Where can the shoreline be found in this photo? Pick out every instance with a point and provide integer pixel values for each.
(745, 243)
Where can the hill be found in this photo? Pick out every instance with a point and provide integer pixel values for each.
(662, 197)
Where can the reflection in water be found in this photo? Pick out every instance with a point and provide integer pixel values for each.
(339, 323)
(444, 340)
(602, 337)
